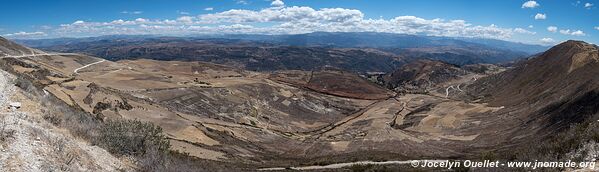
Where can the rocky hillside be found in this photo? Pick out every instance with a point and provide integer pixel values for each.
(421, 75)
(550, 92)
(565, 71)
(9, 48)
(28, 142)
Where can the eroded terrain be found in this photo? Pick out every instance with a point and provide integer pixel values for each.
(222, 113)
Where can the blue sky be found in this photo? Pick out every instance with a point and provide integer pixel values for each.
(538, 22)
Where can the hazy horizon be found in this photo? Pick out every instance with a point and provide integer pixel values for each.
(531, 22)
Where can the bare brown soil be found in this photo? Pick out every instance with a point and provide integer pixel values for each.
(291, 118)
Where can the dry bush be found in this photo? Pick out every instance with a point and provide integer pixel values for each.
(131, 137)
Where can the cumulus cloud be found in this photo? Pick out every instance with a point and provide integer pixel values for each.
(573, 33)
(552, 29)
(242, 2)
(208, 9)
(547, 41)
(588, 5)
(25, 35)
(285, 14)
(596, 27)
(530, 4)
(277, 3)
(540, 16)
(578, 33)
(524, 31)
(288, 20)
(185, 19)
(531, 26)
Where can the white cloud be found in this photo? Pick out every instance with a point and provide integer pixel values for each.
(183, 12)
(578, 33)
(588, 5)
(277, 3)
(185, 19)
(287, 20)
(573, 33)
(547, 41)
(284, 15)
(552, 29)
(596, 27)
(208, 9)
(242, 2)
(141, 20)
(530, 4)
(524, 31)
(25, 35)
(540, 16)
(131, 12)
(531, 26)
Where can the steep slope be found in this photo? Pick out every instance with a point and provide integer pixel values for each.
(30, 143)
(9, 48)
(567, 68)
(551, 91)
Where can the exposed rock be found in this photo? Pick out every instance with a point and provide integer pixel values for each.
(14, 105)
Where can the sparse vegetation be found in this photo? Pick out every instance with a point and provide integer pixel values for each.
(142, 141)
(131, 137)
(558, 147)
(564, 146)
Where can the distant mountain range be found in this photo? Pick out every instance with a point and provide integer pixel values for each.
(359, 52)
(383, 40)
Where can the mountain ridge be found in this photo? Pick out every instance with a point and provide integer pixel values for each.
(337, 39)
(375, 52)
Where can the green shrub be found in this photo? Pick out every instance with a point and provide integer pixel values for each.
(131, 137)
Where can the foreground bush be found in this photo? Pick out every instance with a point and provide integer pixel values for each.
(131, 137)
